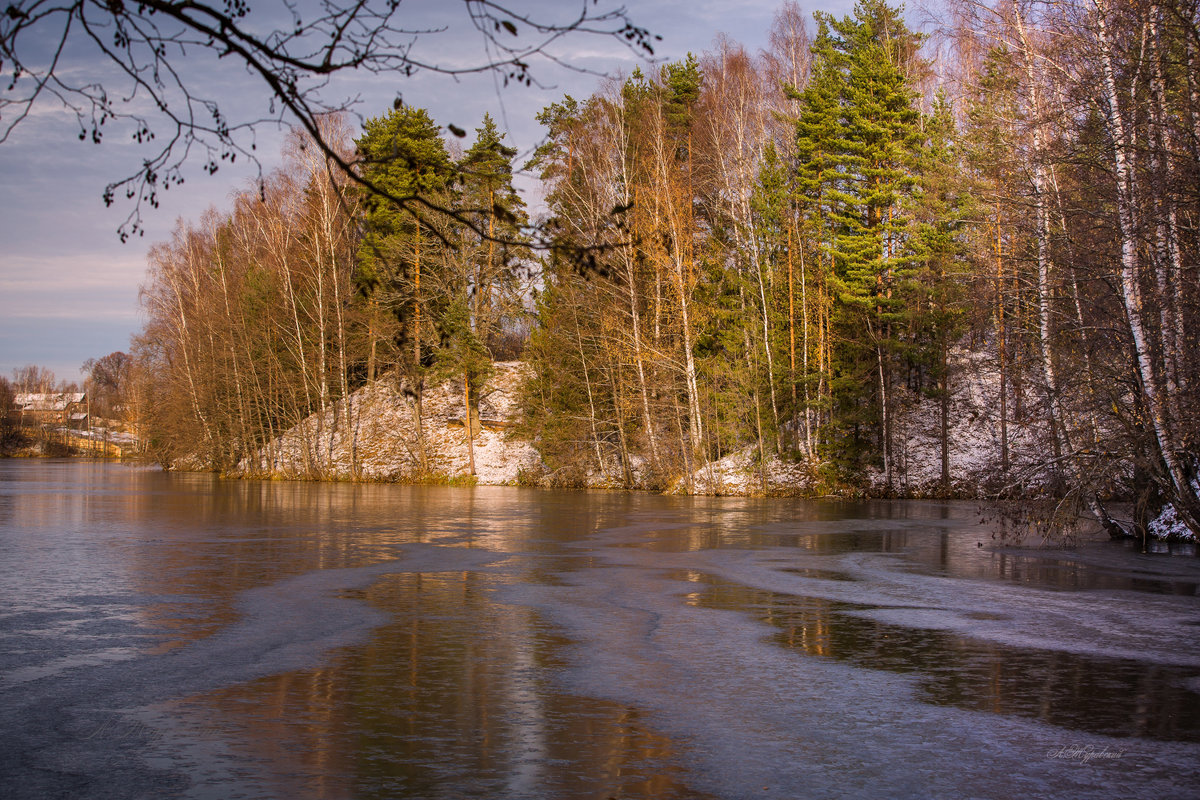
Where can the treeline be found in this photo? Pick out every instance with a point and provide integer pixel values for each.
(788, 247)
(260, 317)
(784, 251)
(32, 379)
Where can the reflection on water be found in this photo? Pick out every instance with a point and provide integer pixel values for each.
(457, 693)
(1069, 574)
(1110, 696)
(1112, 566)
(452, 699)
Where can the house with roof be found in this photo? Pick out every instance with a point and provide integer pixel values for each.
(62, 409)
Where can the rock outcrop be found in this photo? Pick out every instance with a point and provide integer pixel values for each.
(374, 435)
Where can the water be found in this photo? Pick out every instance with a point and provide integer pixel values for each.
(179, 636)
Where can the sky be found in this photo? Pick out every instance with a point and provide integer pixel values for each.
(68, 285)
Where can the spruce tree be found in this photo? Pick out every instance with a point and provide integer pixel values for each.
(859, 143)
(493, 237)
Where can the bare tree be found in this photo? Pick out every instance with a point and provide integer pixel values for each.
(152, 55)
(9, 436)
(246, 327)
(107, 382)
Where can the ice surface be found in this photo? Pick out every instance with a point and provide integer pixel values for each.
(354, 641)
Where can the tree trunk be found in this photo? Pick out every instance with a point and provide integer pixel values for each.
(1041, 208)
(1168, 257)
(1088, 374)
(886, 432)
(944, 397)
(1176, 478)
(615, 378)
(1193, 117)
(792, 336)
(635, 318)
(587, 381)
(372, 321)
(467, 421)
(418, 378)
(1001, 344)
(695, 428)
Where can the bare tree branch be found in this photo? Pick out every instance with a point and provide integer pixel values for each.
(147, 53)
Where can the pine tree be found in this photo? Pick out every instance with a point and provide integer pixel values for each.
(859, 143)
(402, 153)
(494, 244)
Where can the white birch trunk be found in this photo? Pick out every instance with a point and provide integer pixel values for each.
(1131, 293)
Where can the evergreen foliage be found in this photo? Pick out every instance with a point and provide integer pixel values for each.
(739, 266)
(403, 153)
(860, 143)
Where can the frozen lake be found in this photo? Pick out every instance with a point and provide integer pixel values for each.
(173, 635)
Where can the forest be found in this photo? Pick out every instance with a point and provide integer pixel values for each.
(779, 254)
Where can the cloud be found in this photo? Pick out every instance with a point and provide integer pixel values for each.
(86, 296)
(61, 345)
(64, 276)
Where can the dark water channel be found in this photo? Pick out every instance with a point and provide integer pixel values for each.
(180, 636)
(1113, 696)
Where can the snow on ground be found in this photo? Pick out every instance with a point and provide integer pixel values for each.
(974, 433)
(738, 474)
(375, 436)
(377, 431)
(1168, 525)
(974, 451)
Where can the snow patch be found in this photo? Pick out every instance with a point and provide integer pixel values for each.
(374, 435)
(1168, 525)
(739, 474)
(976, 442)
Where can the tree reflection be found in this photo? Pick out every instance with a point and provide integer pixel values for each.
(1110, 696)
(454, 698)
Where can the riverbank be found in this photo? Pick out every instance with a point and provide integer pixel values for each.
(384, 432)
(388, 432)
(66, 443)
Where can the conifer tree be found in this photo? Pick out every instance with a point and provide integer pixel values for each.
(403, 153)
(859, 142)
(494, 246)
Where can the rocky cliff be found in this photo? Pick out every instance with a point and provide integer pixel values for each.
(374, 435)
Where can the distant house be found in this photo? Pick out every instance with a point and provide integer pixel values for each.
(53, 408)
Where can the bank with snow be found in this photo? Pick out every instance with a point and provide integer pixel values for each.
(381, 433)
